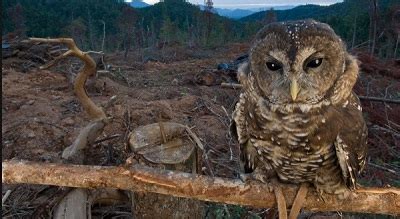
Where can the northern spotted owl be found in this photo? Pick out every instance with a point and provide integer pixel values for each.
(297, 115)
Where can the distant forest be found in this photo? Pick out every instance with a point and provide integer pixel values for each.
(370, 24)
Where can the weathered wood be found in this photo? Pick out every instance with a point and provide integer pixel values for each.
(78, 202)
(74, 205)
(230, 191)
(231, 85)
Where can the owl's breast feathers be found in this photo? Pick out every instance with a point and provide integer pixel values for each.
(314, 146)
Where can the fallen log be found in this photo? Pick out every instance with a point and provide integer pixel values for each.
(230, 191)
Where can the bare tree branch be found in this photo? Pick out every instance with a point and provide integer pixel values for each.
(230, 191)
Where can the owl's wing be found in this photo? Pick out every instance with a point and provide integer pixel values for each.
(238, 131)
(247, 151)
(351, 142)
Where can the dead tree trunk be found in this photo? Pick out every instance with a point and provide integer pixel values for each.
(354, 32)
(373, 25)
(102, 45)
(104, 35)
(90, 24)
(397, 46)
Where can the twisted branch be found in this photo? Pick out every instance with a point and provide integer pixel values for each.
(88, 134)
(95, 112)
(78, 198)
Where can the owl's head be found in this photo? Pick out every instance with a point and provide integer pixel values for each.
(297, 62)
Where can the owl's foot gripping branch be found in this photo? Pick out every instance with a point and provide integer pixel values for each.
(230, 191)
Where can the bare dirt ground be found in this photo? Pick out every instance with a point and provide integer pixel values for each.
(41, 116)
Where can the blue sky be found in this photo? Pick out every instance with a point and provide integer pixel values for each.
(256, 3)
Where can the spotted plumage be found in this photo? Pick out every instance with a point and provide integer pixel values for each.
(297, 115)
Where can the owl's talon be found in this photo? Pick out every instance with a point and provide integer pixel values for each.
(259, 175)
(344, 194)
(298, 201)
(244, 177)
(320, 193)
(280, 199)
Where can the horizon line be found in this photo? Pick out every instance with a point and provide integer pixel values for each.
(250, 5)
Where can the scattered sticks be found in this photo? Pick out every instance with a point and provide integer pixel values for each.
(107, 138)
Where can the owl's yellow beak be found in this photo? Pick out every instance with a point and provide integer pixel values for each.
(294, 89)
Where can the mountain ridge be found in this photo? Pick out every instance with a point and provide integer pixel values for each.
(138, 4)
(237, 13)
(316, 11)
(234, 13)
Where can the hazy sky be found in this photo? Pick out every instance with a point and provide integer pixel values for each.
(256, 3)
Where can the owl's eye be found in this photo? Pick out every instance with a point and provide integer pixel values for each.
(314, 63)
(273, 66)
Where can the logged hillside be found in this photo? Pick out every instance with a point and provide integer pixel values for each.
(180, 21)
